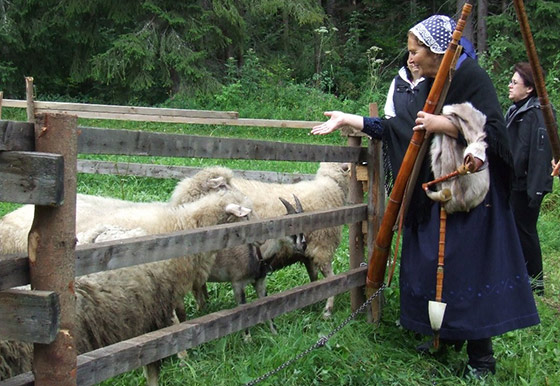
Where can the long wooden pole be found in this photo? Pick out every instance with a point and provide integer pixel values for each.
(546, 108)
(378, 259)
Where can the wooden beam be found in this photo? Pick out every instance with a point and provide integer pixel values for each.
(180, 172)
(140, 250)
(153, 114)
(78, 108)
(31, 178)
(14, 270)
(17, 136)
(107, 362)
(29, 316)
(128, 142)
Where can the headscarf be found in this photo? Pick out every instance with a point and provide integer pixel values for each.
(435, 32)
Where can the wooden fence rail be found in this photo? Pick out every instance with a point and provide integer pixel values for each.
(17, 143)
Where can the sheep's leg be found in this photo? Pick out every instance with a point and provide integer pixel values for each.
(328, 272)
(312, 270)
(151, 373)
(175, 319)
(260, 288)
(240, 298)
(200, 295)
(180, 313)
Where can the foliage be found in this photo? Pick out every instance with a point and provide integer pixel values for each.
(506, 45)
(145, 52)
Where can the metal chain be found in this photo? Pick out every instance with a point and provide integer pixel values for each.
(322, 340)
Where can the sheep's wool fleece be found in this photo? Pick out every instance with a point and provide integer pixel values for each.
(447, 154)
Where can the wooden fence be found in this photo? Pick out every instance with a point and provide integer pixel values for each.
(44, 178)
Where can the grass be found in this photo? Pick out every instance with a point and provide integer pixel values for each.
(360, 353)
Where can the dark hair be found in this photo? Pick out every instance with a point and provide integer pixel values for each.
(526, 73)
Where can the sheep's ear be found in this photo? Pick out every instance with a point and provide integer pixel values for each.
(237, 210)
(217, 183)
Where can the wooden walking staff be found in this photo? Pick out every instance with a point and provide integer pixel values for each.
(378, 258)
(549, 121)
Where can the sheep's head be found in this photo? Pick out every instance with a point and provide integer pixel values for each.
(206, 181)
(338, 171)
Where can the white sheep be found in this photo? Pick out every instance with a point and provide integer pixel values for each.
(15, 226)
(116, 305)
(249, 264)
(328, 189)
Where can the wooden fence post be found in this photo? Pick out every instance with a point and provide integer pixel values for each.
(29, 96)
(376, 196)
(51, 250)
(355, 231)
(1, 98)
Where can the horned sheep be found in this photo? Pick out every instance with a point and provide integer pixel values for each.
(249, 264)
(328, 189)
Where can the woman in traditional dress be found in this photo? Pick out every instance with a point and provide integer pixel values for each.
(486, 286)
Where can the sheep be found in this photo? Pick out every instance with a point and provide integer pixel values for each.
(328, 189)
(15, 358)
(249, 263)
(15, 226)
(143, 298)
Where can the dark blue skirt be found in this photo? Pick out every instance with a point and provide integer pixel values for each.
(486, 286)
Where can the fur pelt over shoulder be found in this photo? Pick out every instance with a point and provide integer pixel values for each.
(447, 154)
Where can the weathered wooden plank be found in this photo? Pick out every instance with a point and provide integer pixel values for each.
(180, 172)
(29, 316)
(26, 379)
(128, 142)
(110, 361)
(17, 136)
(153, 114)
(107, 362)
(77, 108)
(31, 177)
(139, 250)
(14, 270)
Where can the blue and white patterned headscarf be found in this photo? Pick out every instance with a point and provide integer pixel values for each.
(435, 32)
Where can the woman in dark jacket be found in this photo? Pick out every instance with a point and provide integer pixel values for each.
(486, 286)
(532, 171)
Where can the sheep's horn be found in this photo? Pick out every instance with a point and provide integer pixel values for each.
(299, 207)
(440, 196)
(288, 206)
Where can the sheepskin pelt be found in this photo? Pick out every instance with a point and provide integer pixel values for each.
(447, 154)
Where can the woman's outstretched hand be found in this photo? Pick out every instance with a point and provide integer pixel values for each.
(336, 120)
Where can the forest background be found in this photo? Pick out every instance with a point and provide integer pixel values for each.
(184, 54)
(277, 59)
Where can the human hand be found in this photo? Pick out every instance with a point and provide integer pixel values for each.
(432, 123)
(336, 120)
(555, 168)
(424, 121)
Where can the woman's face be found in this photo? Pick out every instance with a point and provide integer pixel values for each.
(419, 55)
(517, 89)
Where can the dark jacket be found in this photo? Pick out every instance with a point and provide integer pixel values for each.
(531, 150)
